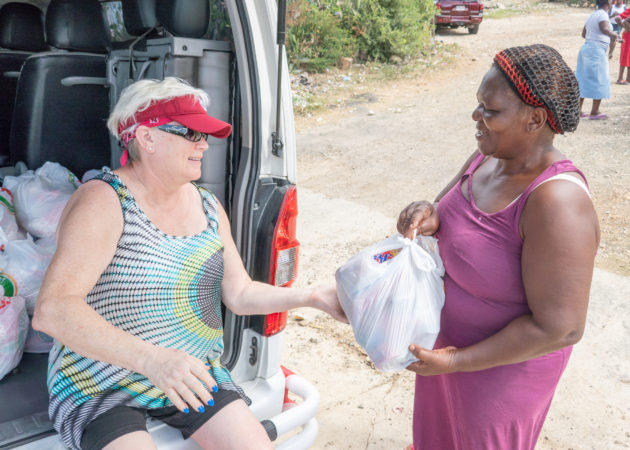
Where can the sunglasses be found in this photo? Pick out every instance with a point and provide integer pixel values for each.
(185, 132)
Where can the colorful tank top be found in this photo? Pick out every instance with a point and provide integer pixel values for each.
(163, 289)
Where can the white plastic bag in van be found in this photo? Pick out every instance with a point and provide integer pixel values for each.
(23, 265)
(13, 329)
(36, 341)
(392, 293)
(88, 175)
(40, 197)
(8, 221)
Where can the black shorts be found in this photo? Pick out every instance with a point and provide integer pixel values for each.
(123, 420)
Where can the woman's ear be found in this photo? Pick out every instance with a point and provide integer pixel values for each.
(537, 119)
(144, 137)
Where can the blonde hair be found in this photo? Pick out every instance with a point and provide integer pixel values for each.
(139, 96)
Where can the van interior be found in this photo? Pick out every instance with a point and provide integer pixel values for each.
(63, 65)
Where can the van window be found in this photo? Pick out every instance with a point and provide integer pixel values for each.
(115, 22)
(218, 29)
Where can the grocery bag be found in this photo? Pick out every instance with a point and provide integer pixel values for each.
(392, 293)
(41, 196)
(23, 264)
(37, 341)
(88, 175)
(8, 221)
(13, 329)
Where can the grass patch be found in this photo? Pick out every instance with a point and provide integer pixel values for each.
(519, 10)
(505, 12)
(337, 88)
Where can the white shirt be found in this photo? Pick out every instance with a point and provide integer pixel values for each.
(593, 33)
(615, 10)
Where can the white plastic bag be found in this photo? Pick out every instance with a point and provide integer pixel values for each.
(392, 293)
(13, 329)
(23, 265)
(40, 197)
(88, 175)
(37, 342)
(8, 221)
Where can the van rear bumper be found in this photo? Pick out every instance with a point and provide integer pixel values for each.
(295, 415)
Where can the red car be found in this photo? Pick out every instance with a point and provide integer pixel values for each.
(459, 13)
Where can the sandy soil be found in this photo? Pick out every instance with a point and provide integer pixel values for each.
(361, 161)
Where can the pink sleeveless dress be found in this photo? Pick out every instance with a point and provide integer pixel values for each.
(502, 407)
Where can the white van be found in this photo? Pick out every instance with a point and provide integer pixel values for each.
(63, 64)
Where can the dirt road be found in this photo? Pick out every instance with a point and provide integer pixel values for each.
(359, 164)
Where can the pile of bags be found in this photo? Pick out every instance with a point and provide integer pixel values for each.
(30, 208)
(392, 294)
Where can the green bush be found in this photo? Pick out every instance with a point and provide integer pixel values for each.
(316, 37)
(386, 28)
(322, 31)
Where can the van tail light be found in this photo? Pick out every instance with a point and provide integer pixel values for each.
(274, 323)
(480, 7)
(284, 257)
(438, 7)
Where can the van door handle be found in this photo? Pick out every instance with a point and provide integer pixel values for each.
(253, 357)
(12, 74)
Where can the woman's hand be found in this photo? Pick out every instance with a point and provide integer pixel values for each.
(325, 298)
(432, 362)
(181, 377)
(420, 216)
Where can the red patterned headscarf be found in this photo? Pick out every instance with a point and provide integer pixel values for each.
(541, 78)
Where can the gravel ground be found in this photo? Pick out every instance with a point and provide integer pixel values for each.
(378, 145)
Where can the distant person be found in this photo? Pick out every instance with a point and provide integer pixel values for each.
(518, 234)
(616, 8)
(592, 70)
(139, 330)
(624, 56)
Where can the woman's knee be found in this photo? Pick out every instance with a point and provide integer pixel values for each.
(235, 426)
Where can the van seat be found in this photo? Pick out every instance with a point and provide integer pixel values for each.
(21, 34)
(139, 16)
(62, 100)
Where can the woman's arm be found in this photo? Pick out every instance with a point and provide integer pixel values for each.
(421, 215)
(604, 27)
(560, 238)
(244, 296)
(88, 233)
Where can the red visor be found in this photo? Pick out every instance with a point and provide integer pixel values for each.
(185, 110)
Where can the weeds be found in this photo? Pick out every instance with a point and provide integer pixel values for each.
(323, 31)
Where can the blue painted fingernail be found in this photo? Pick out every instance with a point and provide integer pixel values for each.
(186, 411)
(208, 364)
(215, 388)
(210, 402)
(201, 409)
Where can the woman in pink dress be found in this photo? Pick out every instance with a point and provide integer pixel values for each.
(518, 234)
